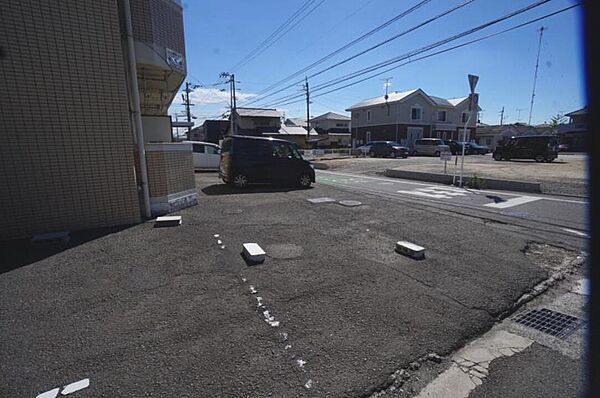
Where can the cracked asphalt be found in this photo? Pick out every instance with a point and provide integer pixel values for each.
(167, 312)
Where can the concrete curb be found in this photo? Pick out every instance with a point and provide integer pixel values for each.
(490, 183)
(320, 166)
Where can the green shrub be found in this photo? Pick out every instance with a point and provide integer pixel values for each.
(476, 182)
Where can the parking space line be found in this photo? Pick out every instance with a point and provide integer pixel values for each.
(513, 202)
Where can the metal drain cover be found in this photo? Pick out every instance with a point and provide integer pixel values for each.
(550, 322)
(350, 203)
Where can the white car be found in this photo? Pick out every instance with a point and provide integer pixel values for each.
(362, 150)
(206, 155)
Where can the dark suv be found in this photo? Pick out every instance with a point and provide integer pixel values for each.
(455, 147)
(247, 160)
(387, 148)
(541, 148)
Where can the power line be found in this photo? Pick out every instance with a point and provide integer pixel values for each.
(412, 53)
(344, 47)
(437, 53)
(279, 32)
(537, 62)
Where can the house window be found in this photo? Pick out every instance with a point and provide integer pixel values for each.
(369, 116)
(465, 117)
(441, 116)
(488, 141)
(416, 113)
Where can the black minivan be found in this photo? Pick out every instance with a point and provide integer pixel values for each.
(246, 159)
(541, 148)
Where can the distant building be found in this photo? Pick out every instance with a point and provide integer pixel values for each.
(295, 122)
(407, 116)
(256, 121)
(292, 133)
(574, 133)
(211, 131)
(331, 122)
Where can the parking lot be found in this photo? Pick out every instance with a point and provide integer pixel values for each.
(332, 311)
(566, 175)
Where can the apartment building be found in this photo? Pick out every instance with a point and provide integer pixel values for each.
(86, 140)
(407, 116)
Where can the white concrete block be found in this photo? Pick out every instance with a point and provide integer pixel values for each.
(410, 249)
(167, 221)
(253, 252)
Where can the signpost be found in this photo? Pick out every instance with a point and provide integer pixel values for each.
(445, 156)
(473, 100)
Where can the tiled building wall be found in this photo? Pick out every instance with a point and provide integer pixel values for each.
(158, 22)
(66, 146)
(170, 172)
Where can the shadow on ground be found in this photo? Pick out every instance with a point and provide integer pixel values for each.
(224, 189)
(21, 252)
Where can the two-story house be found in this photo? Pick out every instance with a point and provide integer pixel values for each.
(331, 122)
(407, 116)
(257, 121)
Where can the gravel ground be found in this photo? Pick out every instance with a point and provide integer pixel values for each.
(567, 175)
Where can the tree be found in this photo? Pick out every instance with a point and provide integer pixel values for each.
(556, 120)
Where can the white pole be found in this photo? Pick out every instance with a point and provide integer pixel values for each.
(462, 156)
(137, 112)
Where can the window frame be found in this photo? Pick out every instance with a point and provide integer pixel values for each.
(420, 109)
(445, 115)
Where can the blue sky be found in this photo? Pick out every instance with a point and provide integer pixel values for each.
(218, 35)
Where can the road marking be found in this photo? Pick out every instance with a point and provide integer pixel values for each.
(401, 181)
(428, 195)
(576, 232)
(76, 386)
(513, 202)
(385, 183)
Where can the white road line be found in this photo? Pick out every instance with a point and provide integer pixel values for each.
(479, 192)
(429, 195)
(513, 202)
(442, 191)
(576, 232)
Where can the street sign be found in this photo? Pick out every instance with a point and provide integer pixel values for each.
(446, 155)
(473, 82)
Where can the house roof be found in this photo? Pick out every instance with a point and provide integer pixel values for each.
(401, 96)
(441, 101)
(293, 130)
(331, 116)
(257, 112)
(295, 121)
(582, 111)
(392, 97)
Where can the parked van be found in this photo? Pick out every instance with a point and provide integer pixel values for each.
(246, 160)
(206, 155)
(541, 148)
(430, 146)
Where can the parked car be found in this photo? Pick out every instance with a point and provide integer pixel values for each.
(541, 148)
(246, 160)
(362, 150)
(454, 146)
(206, 155)
(387, 148)
(430, 146)
(478, 149)
(563, 148)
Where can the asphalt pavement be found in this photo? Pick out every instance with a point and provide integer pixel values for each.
(333, 310)
(559, 216)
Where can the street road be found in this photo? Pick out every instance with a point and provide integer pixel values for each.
(557, 215)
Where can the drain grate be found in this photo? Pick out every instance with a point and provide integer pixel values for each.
(550, 322)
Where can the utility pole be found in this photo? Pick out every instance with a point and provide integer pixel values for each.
(387, 84)
(307, 91)
(537, 62)
(519, 113)
(232, 100)
(187, 108)
(501, 116)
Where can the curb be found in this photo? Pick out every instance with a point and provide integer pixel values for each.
(491, 183)
(320, 166)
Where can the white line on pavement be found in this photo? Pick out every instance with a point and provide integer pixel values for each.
(576, 232)
(513, 202)
(429, 195)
